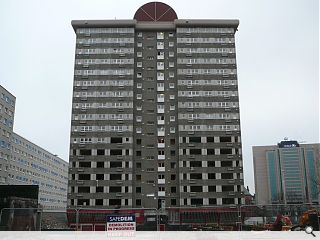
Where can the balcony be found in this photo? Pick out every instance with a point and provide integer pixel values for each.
(161, 145)
(162, 194)
(161, 157)
(160, 110)
(161, 133)
(160, 88)
(161, 122)
(160, 77)
(161, 169)
(161, 181)
(160, 99)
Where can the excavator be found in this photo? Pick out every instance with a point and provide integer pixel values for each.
(308, 218)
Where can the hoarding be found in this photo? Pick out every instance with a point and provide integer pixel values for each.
(121, 223)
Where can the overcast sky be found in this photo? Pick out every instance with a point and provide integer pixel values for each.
(277, 49)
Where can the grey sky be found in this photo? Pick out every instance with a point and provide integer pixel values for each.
(277, 54)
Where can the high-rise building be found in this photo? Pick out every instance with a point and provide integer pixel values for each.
(7, 105)
(25, 163)
(287, 173)
(155, 112)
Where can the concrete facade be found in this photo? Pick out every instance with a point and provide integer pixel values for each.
(7, 106)
(287, 173)
(155, 114)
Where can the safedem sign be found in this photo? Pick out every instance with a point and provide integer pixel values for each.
(121, 223)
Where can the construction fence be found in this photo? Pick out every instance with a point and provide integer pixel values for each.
(197, 218)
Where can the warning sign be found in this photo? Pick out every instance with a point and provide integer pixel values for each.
(121, 223)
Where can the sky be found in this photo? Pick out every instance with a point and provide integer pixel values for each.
(277, 47)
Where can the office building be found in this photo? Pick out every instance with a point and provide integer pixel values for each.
(155, 112)
(286, 173)
(24, 163)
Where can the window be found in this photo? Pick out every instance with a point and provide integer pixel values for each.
(99, 176)
(171, 85)
(227, 188)
(115, 202)
(211, 164)
(139, 85)
(114, 152)
(194, 139)
(225, 139)
(195, 176)
(114, 189)
(173, 177)
(100, 164)
(138, 141)
(115, 176)
(138, 189)
(139, 96)
(226, 175)
(195, 188)
(115, 164)
(196, 201)
(211, 176)
(195, 151)
(83, 189)
(225, 151)
(173, 165)
(100, 152)
(85, 152)
(211, 188)
(226, 163)
(227, 200)
(84, 176)
(210, 151)
(85, 164)
(138, 153)
(115, 140)
(195, 164)
(173, 189)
